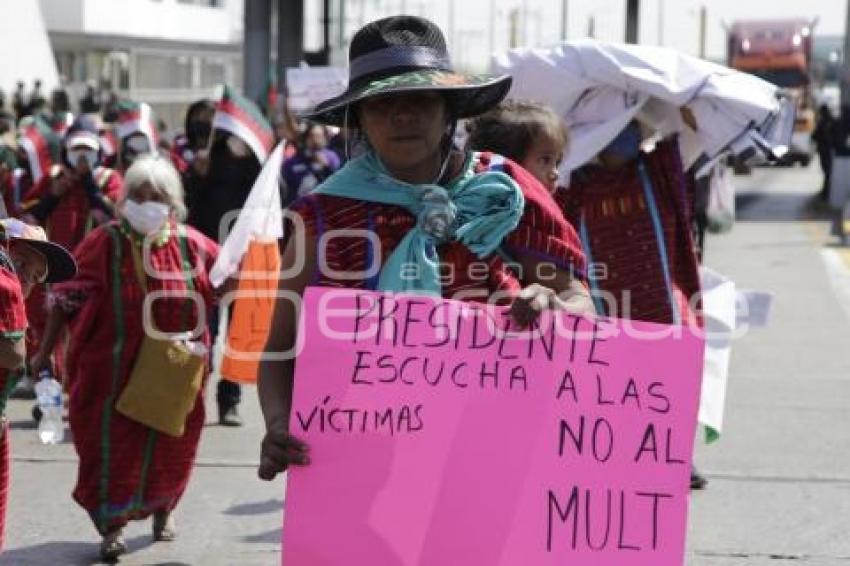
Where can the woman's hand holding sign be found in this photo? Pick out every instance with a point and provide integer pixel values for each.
(280, 449)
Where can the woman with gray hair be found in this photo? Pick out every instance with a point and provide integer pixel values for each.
(130, 470)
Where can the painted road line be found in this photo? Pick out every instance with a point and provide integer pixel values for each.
(837, 263)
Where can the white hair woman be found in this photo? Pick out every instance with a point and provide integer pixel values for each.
(128, 470)
(153, 179)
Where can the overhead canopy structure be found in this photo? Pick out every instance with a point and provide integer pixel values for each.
(598, 88)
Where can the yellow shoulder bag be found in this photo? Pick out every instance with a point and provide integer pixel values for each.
(163, 385)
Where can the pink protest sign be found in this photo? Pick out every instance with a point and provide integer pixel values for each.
(441, 436)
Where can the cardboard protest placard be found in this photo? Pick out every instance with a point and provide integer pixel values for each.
(308, 86)
(441, 435)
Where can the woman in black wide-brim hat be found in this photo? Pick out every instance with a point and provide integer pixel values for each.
(471, 226)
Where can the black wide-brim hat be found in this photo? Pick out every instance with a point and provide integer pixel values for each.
(403, 54)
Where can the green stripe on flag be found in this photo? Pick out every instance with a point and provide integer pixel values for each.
(50, 138)
(248, 107)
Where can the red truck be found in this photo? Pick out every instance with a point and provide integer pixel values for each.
(780, 52)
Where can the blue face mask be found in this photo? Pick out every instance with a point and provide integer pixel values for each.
(626, 146)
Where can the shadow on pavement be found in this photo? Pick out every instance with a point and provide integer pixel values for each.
(32, 425)
(273, 536)
(72, 553)
(256, 508)
(52, 553)
(28, 424)
(778, 207)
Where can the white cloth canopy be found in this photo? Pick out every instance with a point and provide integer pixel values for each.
(597, 88)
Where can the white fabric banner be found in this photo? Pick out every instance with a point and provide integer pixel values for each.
(597, 88)
(718, 303)
(727, 313)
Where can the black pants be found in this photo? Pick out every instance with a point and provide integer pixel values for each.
(228, 394)
(826, 166)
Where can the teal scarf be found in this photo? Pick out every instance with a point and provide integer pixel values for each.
(477, 210)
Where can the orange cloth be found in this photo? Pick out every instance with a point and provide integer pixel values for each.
(251, 315)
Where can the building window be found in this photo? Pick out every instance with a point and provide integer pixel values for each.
(213, 72)
(161, 71)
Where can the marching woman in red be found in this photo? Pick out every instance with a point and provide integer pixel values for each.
(474, 226)
(77, 195)
(13, 324)
(68, 201)
(130, 470)
(27, 259)
(136, 132)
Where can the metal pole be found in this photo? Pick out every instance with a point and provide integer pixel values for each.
(632, 20)
(342, 24)
(845, 70)
(661, 22)
(491, 30)
(290, 35)
(257, 48)
(703, 20)
(525, 23)
(564, 13)
(513, 22)
(451, 29)
(326, 31)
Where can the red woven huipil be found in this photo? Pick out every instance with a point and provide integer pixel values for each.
(13, 324)
(127, 470)
(635, 227)
(542, 232)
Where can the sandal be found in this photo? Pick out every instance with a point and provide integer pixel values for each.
(112, 546)
(163, 527)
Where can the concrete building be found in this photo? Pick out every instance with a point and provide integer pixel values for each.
(164, 52)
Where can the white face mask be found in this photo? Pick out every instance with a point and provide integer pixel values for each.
(89, 155)
(145, 218)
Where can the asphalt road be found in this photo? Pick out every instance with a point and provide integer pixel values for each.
(779, 491)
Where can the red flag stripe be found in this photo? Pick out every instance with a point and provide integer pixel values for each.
(42, 151)
(130, 116)
(265, 136)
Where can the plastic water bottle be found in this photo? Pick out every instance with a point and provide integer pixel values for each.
(51, 430)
